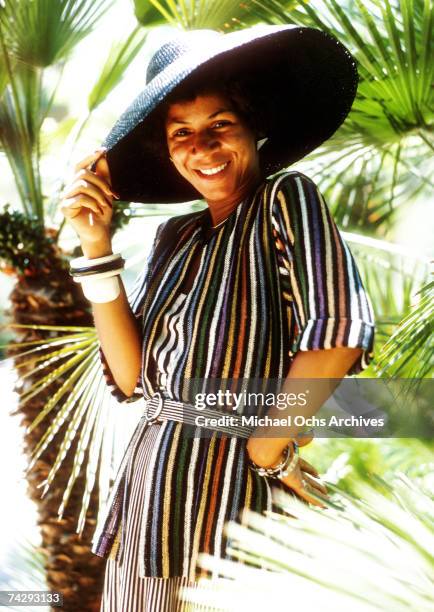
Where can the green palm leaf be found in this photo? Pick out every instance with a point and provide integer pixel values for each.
(119, 58)
(390, 125)
(43, 32)
(81, 402)
(34, 35)
(410, 350)
(392, 275)
(388, 535)
(191, 14)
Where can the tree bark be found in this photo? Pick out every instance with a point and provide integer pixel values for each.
(53, 298)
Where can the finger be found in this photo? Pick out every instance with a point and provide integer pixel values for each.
(102, 169)
(317, 484)
(304, 486)
(72, 206)
(96, 180)
(310, 494)
(304, 438)
(89, 159)
(69, 212)
(307, 467)
(83, 187)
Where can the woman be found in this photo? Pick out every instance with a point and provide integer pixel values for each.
(259, 285)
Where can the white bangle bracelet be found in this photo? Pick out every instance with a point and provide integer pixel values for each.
(108, 274)
(101, 290)
(80, 262)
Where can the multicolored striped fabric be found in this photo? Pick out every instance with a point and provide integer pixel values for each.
(275, 278)
(124, 589)
(169, 347)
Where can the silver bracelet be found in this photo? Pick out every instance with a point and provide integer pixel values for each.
(281, 470)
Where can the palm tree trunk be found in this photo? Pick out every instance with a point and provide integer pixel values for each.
(51, 298)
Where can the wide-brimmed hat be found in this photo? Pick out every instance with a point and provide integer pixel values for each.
(308, 77)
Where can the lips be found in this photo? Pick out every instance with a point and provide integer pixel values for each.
(213, 171)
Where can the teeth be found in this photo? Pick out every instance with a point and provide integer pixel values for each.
(214, 170)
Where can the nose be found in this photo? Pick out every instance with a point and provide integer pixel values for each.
(204, 141)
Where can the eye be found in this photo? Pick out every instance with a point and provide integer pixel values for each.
(181, 132)
(222, 122)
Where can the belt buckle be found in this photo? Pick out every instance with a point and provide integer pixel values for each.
(157, 413)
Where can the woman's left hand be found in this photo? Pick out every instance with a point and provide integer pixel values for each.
(304, 478)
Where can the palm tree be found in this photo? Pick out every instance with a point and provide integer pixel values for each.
(35, 37)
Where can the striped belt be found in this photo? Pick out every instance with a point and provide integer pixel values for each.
(162, 408)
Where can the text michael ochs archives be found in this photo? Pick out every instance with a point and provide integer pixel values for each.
(281, 401)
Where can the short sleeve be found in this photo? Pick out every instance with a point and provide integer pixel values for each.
(330, 305)
(136, 298)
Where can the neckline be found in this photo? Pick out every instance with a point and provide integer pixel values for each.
(218, 224)
(206, 218)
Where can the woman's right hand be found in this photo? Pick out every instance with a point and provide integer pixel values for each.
(87, 201)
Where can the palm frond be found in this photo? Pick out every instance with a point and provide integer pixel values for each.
(190, 14)
(41, 33)
(391, 274)
(147, 14)
(81, 403)
(380, 158)
(3, 75)
(34, 35)
(119, 58)
(387, 535)
(20, 108)
(23, 569)
(410, 350)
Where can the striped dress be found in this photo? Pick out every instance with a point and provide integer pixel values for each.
(274, 279)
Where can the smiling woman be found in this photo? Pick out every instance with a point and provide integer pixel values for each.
(250, 105)
(214, 148)
(259, 285)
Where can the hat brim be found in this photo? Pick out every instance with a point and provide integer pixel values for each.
(309, 75)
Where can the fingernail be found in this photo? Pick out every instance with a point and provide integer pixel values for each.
(115, 195)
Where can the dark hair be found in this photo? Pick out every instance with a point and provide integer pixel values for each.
(238, 91)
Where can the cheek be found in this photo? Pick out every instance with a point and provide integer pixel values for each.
(244, 143)
(177, 152)
(179, 162)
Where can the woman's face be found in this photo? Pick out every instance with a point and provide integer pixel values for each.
(212, 147)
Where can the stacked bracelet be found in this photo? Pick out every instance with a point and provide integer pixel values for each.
(98, 277)
(110, 266)
(281, 470)
(81, 266)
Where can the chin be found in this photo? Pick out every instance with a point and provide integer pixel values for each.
(216, 194)
(217, 191)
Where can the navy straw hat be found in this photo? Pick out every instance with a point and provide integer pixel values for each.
(308, 77)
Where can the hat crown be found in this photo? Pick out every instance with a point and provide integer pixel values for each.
(177, 47)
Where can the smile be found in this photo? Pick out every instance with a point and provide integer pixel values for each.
(212, 171)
